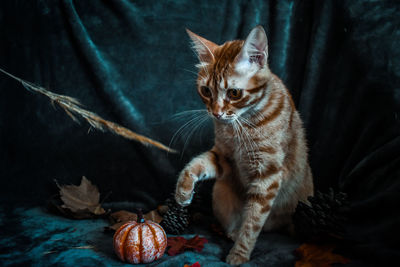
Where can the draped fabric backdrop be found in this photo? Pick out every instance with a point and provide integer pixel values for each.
(131, 62)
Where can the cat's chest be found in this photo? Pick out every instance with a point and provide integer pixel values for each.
(242, 147)
(238, 141)
(230, 141)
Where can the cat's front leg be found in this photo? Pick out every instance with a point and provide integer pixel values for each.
(204, 166)
(260, 198)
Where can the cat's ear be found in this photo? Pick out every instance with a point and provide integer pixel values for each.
(203, 47)
(254, 50)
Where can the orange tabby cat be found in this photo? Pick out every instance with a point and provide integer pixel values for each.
(259, 158)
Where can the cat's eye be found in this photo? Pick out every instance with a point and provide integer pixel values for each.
(205, 91)
(234, 94)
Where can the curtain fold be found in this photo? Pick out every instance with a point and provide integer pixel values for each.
(131, 62)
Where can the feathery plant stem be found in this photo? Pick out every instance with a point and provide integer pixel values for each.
(73, 106)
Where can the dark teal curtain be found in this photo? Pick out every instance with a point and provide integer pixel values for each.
(131, 62)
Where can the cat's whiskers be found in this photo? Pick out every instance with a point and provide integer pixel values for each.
(247, 122)
(244, 138)
(257, 114)
(196, 115)
(186, 112)
(253, 127)
(201, 119)
(237, 134)
(194, 73)
(251, 144)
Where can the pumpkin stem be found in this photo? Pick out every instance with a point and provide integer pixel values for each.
(140, 218)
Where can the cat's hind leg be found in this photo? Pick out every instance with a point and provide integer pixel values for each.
(227, 207)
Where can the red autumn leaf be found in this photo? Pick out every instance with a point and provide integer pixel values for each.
(196, 243)
(196, 264)
(175, 245)
(321, 256)
(179, 244)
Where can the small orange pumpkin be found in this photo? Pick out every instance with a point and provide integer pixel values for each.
(143, 241)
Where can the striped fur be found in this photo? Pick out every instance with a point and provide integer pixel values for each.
(259, 158)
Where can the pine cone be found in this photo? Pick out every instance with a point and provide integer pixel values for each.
(202, 198)
(324, 217)
(176, 219)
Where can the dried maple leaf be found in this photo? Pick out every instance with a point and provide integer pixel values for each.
(153, 216)
(178, 244)
(196, 243)
(162, 209)
(196, 264)
(121, 217)
(117, 219)
(82, 198)
(321, 256)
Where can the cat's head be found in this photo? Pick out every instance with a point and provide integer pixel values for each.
(232, 76)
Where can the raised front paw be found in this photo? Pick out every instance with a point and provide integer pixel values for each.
(183, 198)
(184, 188)
(236, 259)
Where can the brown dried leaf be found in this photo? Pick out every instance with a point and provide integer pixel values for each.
(121, 217)
(162, 209)
(114, 227)
(84, 197)
(315, 255)
(153, 216)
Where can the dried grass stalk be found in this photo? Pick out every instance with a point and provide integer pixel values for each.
(73, 106)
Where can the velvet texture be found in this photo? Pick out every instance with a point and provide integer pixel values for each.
(37, 238)
(130, 61)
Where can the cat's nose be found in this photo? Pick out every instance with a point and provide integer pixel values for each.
(217, 115)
